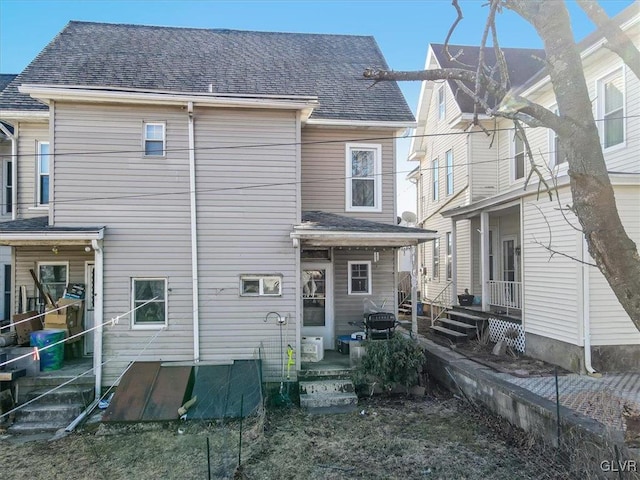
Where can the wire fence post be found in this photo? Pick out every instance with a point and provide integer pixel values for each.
(555, 374)
(208, 460)
(240, 439)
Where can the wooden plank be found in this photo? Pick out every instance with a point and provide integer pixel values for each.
(171, 389)
(133, 393)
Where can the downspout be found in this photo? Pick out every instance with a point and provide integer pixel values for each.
(194, 237)
(98, 314)
(585, 310)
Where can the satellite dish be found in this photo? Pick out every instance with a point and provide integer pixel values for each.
(409, 217)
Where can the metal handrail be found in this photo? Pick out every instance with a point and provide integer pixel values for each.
(404, 292)
(444, 304)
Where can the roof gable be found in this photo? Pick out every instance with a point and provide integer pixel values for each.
(190, 60)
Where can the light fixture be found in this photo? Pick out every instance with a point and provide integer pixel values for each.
(517, 250)
(87, 249)
(55, 250)
(376, 256)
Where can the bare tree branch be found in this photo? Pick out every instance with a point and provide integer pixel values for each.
(453, 27)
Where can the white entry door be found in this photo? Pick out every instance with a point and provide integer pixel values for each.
(89, 281)
(317, 302)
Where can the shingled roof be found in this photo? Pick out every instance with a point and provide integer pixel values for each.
(6, 79)
(522, 64)
(234, 62)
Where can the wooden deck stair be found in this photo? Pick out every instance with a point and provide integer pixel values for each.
(459, 326)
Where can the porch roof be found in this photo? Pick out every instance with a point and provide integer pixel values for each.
(37, 231)
(324, 229)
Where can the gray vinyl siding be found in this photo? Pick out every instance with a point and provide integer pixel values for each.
(483, 166)
(349, 308)
(29, 134)
(244, 226)
(323, 170)
(143, 203)
(551, 283)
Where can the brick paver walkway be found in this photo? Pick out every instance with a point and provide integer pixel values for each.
(599, 398)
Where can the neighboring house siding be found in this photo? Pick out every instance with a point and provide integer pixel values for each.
(551, 282)
(244, 226)
(144, 204)
(483, 167)
(349, 308)
(323, 170)
(29, 134)
(610, 324)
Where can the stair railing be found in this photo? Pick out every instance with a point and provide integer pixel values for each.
(404, 288)
(442, 301)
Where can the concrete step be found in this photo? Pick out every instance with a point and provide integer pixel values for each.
(61, 415)
(450, 334)
(70, 394)
(328, 396)
(28, 428)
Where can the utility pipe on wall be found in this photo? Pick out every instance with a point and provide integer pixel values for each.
(194, 236)
(585, 308)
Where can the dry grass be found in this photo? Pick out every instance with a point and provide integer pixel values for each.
(389, 438)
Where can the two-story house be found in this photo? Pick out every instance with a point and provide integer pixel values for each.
(517, 252)
(215, 190)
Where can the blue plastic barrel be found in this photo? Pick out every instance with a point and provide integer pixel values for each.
(51, 358)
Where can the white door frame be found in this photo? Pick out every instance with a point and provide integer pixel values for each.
(89, 266)
(327, 332)
(516, 260)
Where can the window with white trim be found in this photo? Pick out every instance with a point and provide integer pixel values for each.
(154, 139)
(556, 155)
(449, 163)
(43, 160)
(442, 108)
(260, 285)
(359, 278)
(435, 182)
(54, 278)
(448, 259)
(518, 157)
(363, 177)
(149, 299)
(611, 109)
(435, 264)
(7, 186)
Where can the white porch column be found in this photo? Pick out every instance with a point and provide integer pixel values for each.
(484, 259)
(454, 262)
(98, 314)
(414, 290)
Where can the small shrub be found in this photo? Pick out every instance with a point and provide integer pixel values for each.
(397, 361)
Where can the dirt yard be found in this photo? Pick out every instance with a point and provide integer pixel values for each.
(433, 437)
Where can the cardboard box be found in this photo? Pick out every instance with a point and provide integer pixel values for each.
(68, 318)
(24, 329)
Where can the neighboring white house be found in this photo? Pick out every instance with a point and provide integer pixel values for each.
(233, 179)
(494, 237)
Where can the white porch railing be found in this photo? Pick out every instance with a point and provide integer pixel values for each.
(505, 294)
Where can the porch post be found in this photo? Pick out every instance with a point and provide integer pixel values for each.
(484, 259)
(98, 315)
(414, 290)
(454, 262)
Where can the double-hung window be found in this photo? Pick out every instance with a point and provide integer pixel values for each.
(7, 186)
(149, 302)
(449, 161)
(363, 175)
(441, 103)
(611, 109)
(557, 156)
(359, 278)
(518, 157)
(435, 185)
(43, 168)
(449, 251)
(154, 139)
(435, 267)
(54, 277)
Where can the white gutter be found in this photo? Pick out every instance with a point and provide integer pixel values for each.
(194, 236)
(98, 315)
(74, 237)
(14, 168)
(585, 308)
(332, 235)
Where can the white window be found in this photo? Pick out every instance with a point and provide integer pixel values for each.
(449, 250)
(441, 103)
(43, 173)
(149, 298)
(154, 139)
(7, 186)
(364, 179)
(518, 157)
(54, 278)
(359, 278)
(449, 161)
(260, 285)
(435, 185)
(436, 259)
(556, 155)
(611, 109)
